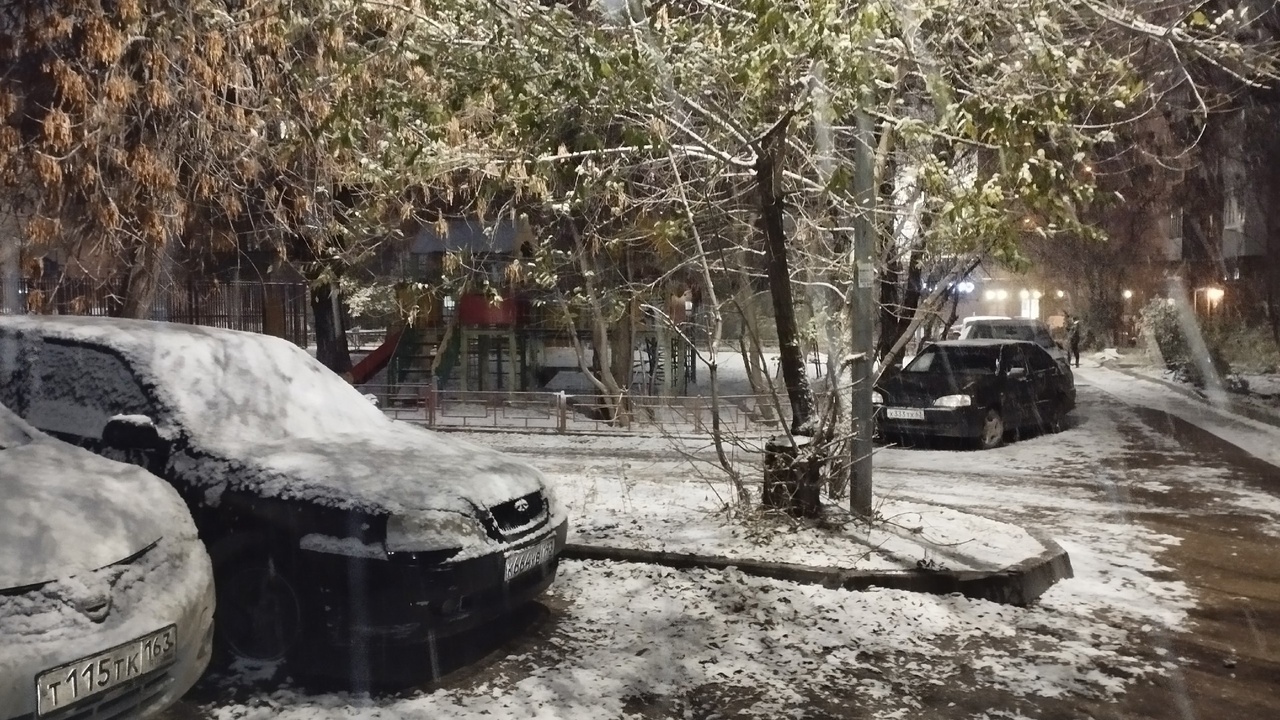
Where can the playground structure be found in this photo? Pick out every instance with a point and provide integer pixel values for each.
(477, 344)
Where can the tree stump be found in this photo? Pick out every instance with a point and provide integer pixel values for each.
(792, 476)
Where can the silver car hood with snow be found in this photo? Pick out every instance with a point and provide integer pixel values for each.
(64, 510)
(397, 469)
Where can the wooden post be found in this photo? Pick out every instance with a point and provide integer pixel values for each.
(432, 399)
(562, 413)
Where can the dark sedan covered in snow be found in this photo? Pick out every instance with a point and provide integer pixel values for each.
(978, 390)
(329, 524)
(106, 593)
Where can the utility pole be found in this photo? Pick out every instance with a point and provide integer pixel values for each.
(864, 311)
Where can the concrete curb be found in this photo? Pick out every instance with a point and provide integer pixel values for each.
(1019, 584)
(1233, 405)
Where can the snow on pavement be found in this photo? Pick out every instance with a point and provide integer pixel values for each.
(637, 630)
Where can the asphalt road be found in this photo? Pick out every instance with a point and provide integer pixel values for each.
(1158, 471)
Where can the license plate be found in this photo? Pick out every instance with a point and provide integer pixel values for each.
(525, 559)
(88, 676)
(904, 413)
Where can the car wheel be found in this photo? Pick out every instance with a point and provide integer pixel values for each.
(992, 430)
(259, 612)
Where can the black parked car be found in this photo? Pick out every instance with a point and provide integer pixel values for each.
(329, 524)
(977, 390)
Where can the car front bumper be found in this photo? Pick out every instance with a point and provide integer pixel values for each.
(381, 604)
(171, 584)
(965, 422)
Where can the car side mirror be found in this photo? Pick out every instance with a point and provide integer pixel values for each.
(131, 432)
(1017, 373)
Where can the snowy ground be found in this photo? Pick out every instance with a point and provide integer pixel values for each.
(631, 492)
(632, 641)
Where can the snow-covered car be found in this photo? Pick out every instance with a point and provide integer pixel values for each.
(106, 593)
(330, 525)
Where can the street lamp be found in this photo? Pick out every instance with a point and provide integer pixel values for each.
(1060, 294)
(1127, 294)
(1212, 296)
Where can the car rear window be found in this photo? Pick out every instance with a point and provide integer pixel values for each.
(956, 360)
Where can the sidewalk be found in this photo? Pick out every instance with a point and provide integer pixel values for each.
(1259, 439)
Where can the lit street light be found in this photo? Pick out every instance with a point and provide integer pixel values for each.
(1212, 296)
(1127, 294)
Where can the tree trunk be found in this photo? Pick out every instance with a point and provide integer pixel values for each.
(142, 281)
(772, 212)
(621, 357)
(331, 331)
(887, 316)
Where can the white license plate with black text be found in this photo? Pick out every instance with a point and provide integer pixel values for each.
(904, 413)
(88, 676)
(525, 559)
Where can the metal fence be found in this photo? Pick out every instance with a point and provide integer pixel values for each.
(551, 412)
(279, 309)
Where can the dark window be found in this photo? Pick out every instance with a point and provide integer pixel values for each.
(1014, 358)
(76, 390)
(1040, 360)
(948, 360)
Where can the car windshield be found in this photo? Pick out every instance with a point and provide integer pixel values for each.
(956, 360)
(268, 390)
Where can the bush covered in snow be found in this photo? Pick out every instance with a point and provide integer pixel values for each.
(1161, 323)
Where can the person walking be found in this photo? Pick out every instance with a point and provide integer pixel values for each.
(1073, 339)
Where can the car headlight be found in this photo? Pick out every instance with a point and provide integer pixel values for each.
(876, 398)
(431, 531)
(953, 401)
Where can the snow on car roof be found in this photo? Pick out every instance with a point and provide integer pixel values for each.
(980, 342)
(222, 382)
(1006, 322)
